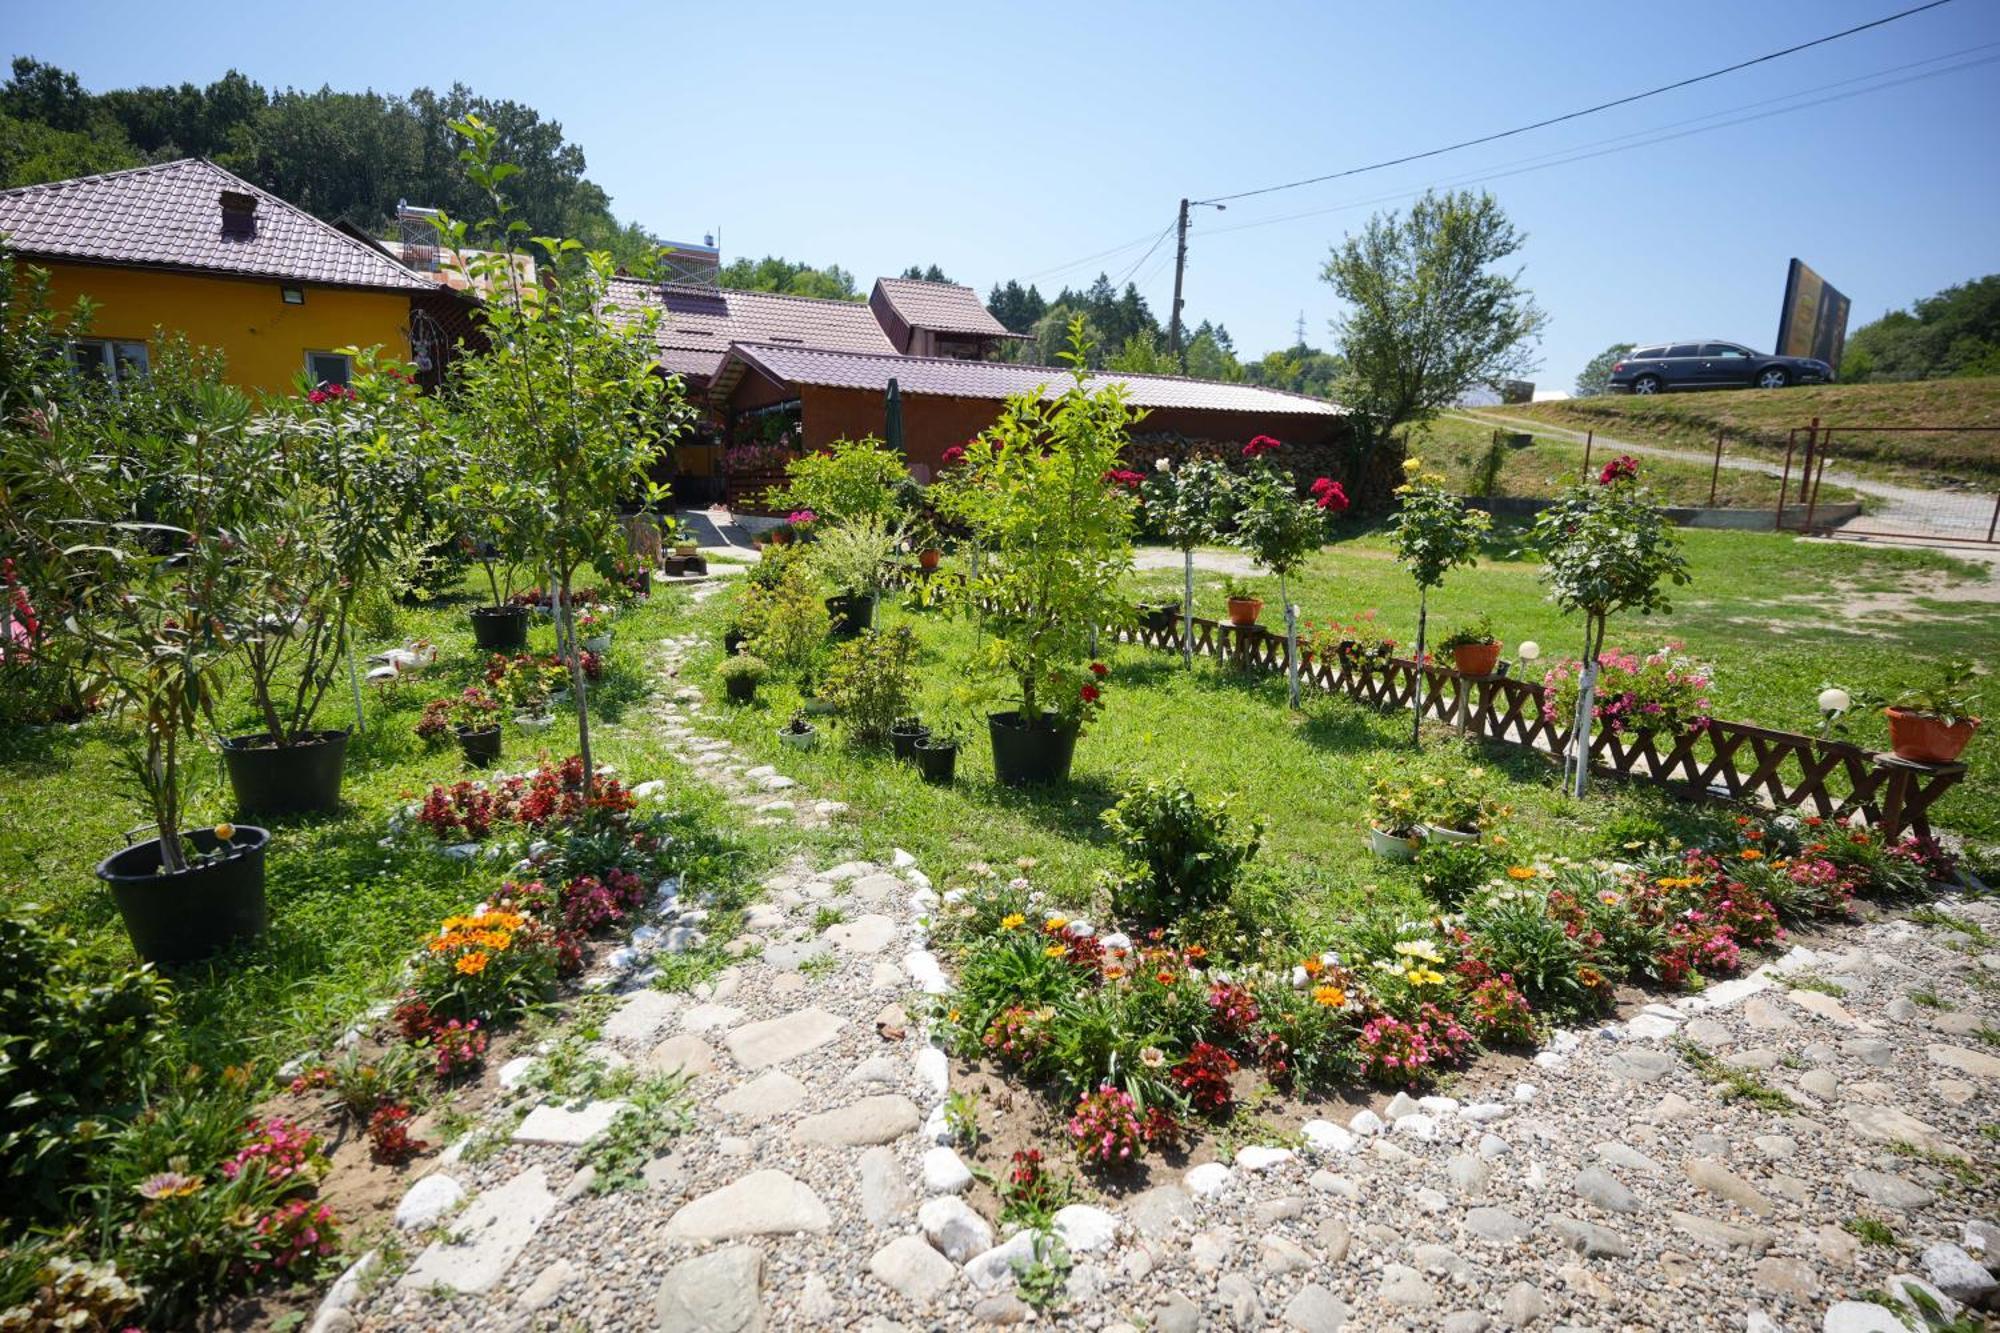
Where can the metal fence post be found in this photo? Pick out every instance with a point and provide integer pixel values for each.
(1588, 437)
(1715, 474)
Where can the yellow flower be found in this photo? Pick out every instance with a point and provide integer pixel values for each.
(1520, 872)
(1424, 976)
(1054, 951)
(1012, 921)
(472, 964)
(1055, 923)
(1608, 898)
(1330, 997)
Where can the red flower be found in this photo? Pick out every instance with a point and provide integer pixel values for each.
(1622, 468)
(1122, 476)
(1263, 444)
(954, 455)
(1330, 494)
(1099, 669)
(1090, 694)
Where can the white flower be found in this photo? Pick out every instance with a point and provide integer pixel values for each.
(1161, 465)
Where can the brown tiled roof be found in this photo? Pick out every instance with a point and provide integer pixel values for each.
(949, 378)
(170, 216)
(943, 307)
(697, 324)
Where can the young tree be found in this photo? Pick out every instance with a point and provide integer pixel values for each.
(1605, 547)
(1280, 530)
(1188, 505)
(1427, 316)
(1433, 533)
(561, 420)
(1594, 380)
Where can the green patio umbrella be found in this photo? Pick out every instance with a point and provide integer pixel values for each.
(892, 431)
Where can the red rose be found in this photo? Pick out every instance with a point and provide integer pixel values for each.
(1099, 669)
(1090, 694)
(1331, 495)
(1263, 444)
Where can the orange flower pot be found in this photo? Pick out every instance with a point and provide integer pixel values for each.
(1927, 740)
(1244, 611)
(929, 557)
(1476, 659)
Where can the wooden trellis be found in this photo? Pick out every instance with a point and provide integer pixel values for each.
(1725, 761)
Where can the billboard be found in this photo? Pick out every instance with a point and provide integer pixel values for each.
(1814, 320)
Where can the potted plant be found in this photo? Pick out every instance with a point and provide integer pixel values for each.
(682, 537)
(937, 753)
(1395, 825)
(1452, 804)
(1932, 723)
(812, 683)
(869, 682)
(741, 675)
(1244, 604)
(1433, 533)
(1605, 547)
(799, 733)
(905, 733)
(1474, 648)
(1059, 537)
(501, 626)
(854, 557)
(593, 625)
(154, 606)
(473, 716)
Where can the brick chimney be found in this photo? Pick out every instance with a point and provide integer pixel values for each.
(239, 213)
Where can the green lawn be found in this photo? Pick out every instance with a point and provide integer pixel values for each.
(1306, 774)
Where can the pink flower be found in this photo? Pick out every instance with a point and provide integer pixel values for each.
(953, 456)
(1622, 468)
(798, 518)
(1330, 495)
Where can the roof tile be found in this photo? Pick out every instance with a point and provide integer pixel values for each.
(697, 323)
(170, 215)
(943, 307)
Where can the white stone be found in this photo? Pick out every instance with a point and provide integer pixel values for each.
(995, 1267)
(1481, 1112)
(485, 1239)
(901, 860)
(428, 1200)
(774, 1040)
(1323, 1136)
(951, 1226)
(945, 1172)
(761, 1203)
(937, 1127)
(711, 1017)
(1084, 1228)
(864, 935)
(1438, 1106)
(1416, 1126)
(1860, 1317)
(769, 1096)
(933, 1070)
(1206, 1179)
(638, 1021)
(515, 1072)
(1366, 1122)
(1257, 1157)
(560, 1125)
(1652, 1027)
(1524, 1092)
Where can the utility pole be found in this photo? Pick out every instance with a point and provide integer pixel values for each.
(1180, 269)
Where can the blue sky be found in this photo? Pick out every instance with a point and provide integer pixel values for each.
(1013, 140)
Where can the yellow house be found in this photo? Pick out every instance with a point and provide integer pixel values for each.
(188, 247)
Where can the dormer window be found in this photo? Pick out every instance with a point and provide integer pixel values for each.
(239, 213)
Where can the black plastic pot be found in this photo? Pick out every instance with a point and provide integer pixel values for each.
(937, 763)
(1026, 755)
(904, 738)
(481, 747)
(732, 641)
(741, 689)
(500, 629)
(297, 779)
(189, 914)
(851, 613)
(1160, 618)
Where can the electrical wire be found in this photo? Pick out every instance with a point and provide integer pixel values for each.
(1127, 275)
(1585, 111)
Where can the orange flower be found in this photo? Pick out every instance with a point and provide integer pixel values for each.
(1165, 978)
(1313, 966)
(1054, 951)
(1752, 854)
(472, 964)
(1196, 951)
(1520, 872)
(1331, 997)
(1113, 972)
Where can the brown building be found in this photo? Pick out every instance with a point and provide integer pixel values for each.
(802, 373)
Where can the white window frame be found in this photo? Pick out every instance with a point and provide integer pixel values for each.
(115, 357)
(346, 374)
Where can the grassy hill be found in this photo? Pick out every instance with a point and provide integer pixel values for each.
(1758, 422)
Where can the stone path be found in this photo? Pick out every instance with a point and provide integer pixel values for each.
(1612, 1186)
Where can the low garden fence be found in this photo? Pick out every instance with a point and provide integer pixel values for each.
(1724, 761)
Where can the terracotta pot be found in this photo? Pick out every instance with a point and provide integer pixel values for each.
(928, 558)
(1476, 659)
(1927, 740)
(1244, 611)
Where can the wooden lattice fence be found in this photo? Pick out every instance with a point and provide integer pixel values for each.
(1725, 761)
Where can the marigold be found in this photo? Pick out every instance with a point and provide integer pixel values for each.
(1752, 854)
(1520, 872)
(1331, 997)
(1196, 951)
(1055, 923)
(472, 964)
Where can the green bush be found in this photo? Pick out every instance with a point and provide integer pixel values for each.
(787, 624)
(1452, 871)
(1183, 853)
(871, 681)
(853, 479)
(743, 667)
(78, 1037)
(1517, 935)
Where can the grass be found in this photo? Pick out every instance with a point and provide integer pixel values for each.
(1759, 422)
(1807, 981)
(1930, 999)
(1929, 915)
(1734, 1084)
(1963, 1172)
(1459, 448)
(1872, 1231)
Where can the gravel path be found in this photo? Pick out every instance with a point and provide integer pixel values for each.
(1615, 1188)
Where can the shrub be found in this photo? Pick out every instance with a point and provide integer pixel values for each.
(1183, 854)
(742, 668)
(1106, 1129)
(1660, 692)
(1453, 871)
(854, 556)
(852, 479)
(1514, 932)
(787, 623)
(77, 1038)
(871, 680)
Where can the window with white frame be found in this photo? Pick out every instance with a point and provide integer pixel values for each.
(108, 359)
(329, 368)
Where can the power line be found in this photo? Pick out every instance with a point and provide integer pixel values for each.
(1585, 111)
(1127, 276)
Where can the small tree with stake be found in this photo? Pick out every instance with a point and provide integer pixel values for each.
(561, 420)
(1605, 547)
(1433, 533)
(1281, 531)
(1186, 503)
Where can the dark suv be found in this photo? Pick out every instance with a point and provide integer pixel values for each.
(1711, 365)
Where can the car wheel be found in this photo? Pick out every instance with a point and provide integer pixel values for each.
(1647, 384)
(1776, 377)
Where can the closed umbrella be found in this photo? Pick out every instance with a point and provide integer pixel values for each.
(892, 431)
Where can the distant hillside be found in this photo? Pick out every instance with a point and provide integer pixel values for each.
(1760, 420)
